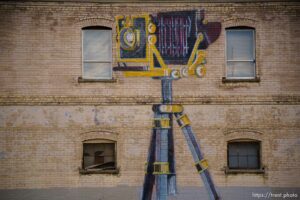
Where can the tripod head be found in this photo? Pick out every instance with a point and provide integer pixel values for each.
(170, 44)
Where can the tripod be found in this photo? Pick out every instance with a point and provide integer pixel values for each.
(160, 166)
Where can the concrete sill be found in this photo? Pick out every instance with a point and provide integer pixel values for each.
(253, 80)
(244, 171)
(82, 80)
(98, 171)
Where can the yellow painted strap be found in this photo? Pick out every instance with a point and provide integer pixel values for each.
(184, 120)
(201, 165)
(171, 108)
(161, 123)
(161, 168)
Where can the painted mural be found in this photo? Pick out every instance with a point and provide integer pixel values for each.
(163, 40)
(169, 45)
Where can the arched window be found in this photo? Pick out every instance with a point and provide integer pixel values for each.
(99, 155)
(96, 52)
(240, 53)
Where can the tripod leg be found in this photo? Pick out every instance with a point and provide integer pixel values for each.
(161, 165)
(172, 186)
(200, 162)
(166, 93)
(149, 177)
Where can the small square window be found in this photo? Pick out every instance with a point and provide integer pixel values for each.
(244, 155)
(96, 53)
(99, 156)
(240, 53)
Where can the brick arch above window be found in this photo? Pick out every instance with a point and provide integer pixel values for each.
(243, 133)
(95, 21)
(242, 130)
(243, 140)
(238, 21)
(99, 135)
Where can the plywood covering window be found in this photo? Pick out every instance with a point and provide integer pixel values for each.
(244, 155)
(240, 53)
(99, 155)
(96, 53)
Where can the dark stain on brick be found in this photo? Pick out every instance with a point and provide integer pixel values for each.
(96, 120)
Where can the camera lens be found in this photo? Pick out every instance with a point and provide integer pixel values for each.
(129, 36)
(128, 39)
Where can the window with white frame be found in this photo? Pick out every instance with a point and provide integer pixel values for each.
(240, 53)
(96, 53)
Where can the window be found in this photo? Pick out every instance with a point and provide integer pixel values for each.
(99, 155)
(240, 53)
(96, 53)
(244, 155)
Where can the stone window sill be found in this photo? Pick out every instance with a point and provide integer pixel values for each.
(98, 171)
(244, 171)
(237, 80)
(82, 80)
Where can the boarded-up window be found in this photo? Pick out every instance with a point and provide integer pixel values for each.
(99, 155)
(240, 53)
(97, 53)
(244, 155)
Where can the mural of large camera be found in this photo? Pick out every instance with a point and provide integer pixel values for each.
(164, 40)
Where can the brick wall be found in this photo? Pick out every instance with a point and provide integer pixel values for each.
(46, 113)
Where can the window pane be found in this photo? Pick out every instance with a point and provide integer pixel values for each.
(240, 69)
(233, 162)
(240, 45)
(243, 150)
(253, 162)
(99, 156)
(252, 151)
(243, 162)
(243, 155)
(97, 70)
(97, 45)
(233, 150)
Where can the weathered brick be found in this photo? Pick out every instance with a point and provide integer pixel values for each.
(45, 113)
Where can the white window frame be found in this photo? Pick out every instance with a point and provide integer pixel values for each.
(96, 61)
(254, 52)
